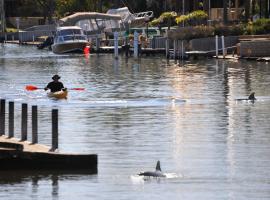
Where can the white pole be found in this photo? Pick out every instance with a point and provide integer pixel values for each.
(116, 45)
(223, 46)
(136, 43)
(216, 46)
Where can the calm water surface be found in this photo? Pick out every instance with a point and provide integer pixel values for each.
(132, 114)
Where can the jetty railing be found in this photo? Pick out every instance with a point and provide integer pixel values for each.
(24, 123)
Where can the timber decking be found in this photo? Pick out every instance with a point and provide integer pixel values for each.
(27, 146)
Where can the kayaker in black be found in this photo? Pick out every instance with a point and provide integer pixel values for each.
(55, 85)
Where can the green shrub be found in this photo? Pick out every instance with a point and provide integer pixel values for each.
(191, 32)
(260, 26)
(164, 18)
(155, 22)
(229, 30)
(167, 15)
(194, 18)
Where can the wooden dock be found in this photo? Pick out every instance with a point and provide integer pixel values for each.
(20, 154)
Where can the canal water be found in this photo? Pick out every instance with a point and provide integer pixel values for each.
(132, 114)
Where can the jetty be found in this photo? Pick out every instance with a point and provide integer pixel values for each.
(21, 154)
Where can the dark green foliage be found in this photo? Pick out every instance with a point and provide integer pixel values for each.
(260, 26)
(229, 30)
(191, 32)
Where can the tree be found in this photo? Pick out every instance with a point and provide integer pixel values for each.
(225, 11)
(247, 10)
(266, 13)
(48, 7)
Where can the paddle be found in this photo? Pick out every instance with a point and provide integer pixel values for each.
(32, 88)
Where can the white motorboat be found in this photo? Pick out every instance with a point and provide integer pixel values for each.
(69, 39)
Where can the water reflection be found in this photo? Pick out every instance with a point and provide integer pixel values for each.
(132, 114)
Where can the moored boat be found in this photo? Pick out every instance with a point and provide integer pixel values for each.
(69, 39)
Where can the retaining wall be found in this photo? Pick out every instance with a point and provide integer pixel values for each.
(209, 44)
(255, 48)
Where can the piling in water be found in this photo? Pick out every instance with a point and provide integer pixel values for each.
(54, 130)
(10, 119)
(24, 122)
(34, 125)
(2, 116)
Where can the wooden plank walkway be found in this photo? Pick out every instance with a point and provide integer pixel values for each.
(27, 146)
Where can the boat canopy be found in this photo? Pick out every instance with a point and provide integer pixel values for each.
(114, 20)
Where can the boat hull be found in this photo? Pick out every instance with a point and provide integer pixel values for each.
(69, 47)
(58, 95)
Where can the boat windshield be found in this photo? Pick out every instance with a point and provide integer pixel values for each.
(75, 37)
(70, 32)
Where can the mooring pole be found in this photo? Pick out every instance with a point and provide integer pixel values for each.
(24, 122)
(127, 45)
(167, 48)
(54, 129)
(34, 125)
(2, 116)
(223, 46)
(10, 119)
(182, 49)
(216, 46)
(116, 45)
(174, 49)
(136, 45)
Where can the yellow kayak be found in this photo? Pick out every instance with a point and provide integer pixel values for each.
(58, 95)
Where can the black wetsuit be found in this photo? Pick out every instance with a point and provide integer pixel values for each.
(55, 86)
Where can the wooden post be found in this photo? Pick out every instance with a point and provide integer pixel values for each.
(179, 47)
(116, 45)
(127, 46)
(153, 46)
(136, 44)
(2, 116)
(10, 119)
(167, 48)
(174, 48)
(24, 122)
(216, 46)
(97, 43)
(54, 130)
(34, 125)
